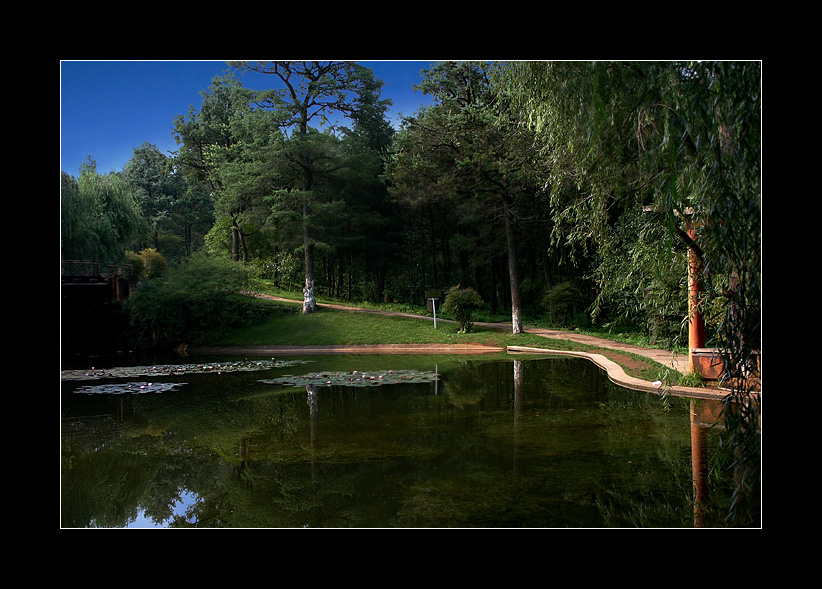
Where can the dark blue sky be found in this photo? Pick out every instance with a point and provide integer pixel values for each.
(108, 108)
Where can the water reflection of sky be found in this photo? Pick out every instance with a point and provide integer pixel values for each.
(142, 521)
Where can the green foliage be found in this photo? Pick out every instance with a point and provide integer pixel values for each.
(282, 269)
(98, 217)
(194, 296)
(563, 303)
(642, 278)
(682, 142)
(462, 304)
(148, 263)
(175, 211)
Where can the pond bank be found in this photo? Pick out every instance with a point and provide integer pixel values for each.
(346, 349)
(616, 373)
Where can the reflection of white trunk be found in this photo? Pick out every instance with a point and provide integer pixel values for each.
(309, 302)
(518, 378)
(311, 389)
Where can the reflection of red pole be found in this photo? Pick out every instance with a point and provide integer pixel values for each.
(696, 322)
(699, 466)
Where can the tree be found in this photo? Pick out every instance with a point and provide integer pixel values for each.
(680, 141)
(371, 228)
(220, 151)
(482, 156)
(99, 215)
(167, 205)
(462, 303)
(189, 299)
(308, 91)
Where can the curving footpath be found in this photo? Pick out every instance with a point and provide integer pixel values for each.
(614, 371)
(617, 375)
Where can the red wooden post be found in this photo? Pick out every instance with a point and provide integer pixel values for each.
(696, 322)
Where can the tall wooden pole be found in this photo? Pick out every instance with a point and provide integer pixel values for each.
(696, 321)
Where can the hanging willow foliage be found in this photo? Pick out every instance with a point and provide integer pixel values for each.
(682, 140)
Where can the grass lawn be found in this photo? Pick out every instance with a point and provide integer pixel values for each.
(287, 326)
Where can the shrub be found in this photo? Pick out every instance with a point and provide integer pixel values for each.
(563, 302)
(148, 263)
(195, 296)
(461, 304)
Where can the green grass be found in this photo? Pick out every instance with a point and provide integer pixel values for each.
(266, 287)
(287, 326)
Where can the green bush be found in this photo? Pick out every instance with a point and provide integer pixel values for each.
(564, 302)
(194, 296)
(462, 304)
(148, 263)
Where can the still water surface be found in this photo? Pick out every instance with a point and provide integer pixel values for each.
(491, 442)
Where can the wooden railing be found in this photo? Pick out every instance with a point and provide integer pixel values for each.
(94, 268)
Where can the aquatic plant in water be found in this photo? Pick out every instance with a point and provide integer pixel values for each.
(355, 378)
(129, 388)
(176, 369)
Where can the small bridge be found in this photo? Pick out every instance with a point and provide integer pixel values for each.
(98, 280)
(91, 321)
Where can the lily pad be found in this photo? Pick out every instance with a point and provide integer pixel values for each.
(355, 378)
(133, 388)
(176, 369)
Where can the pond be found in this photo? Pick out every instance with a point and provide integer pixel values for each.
(384, 441)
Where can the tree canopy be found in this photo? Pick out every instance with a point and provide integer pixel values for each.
(524, 181)
(99, 215)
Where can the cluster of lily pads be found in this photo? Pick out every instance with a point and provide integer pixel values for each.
(355, 378)
(130, 388)
(176, 369)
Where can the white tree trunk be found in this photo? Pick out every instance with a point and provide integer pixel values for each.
(309, 302)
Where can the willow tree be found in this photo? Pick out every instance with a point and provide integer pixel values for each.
(306, 93)
(682, 142)
(99, 215)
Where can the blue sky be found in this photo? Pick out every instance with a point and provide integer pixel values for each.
(108, 108)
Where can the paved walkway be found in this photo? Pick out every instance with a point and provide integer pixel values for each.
(615, 371)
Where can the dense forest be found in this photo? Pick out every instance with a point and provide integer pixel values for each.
(574, 193)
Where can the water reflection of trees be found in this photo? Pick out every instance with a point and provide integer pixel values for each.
(342, 457)
(691, 457)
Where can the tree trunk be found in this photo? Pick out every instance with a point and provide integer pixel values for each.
(494, 276)
(380, 274)
(513, 269)
(433, 238)
(235, 243)
(309, 302)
